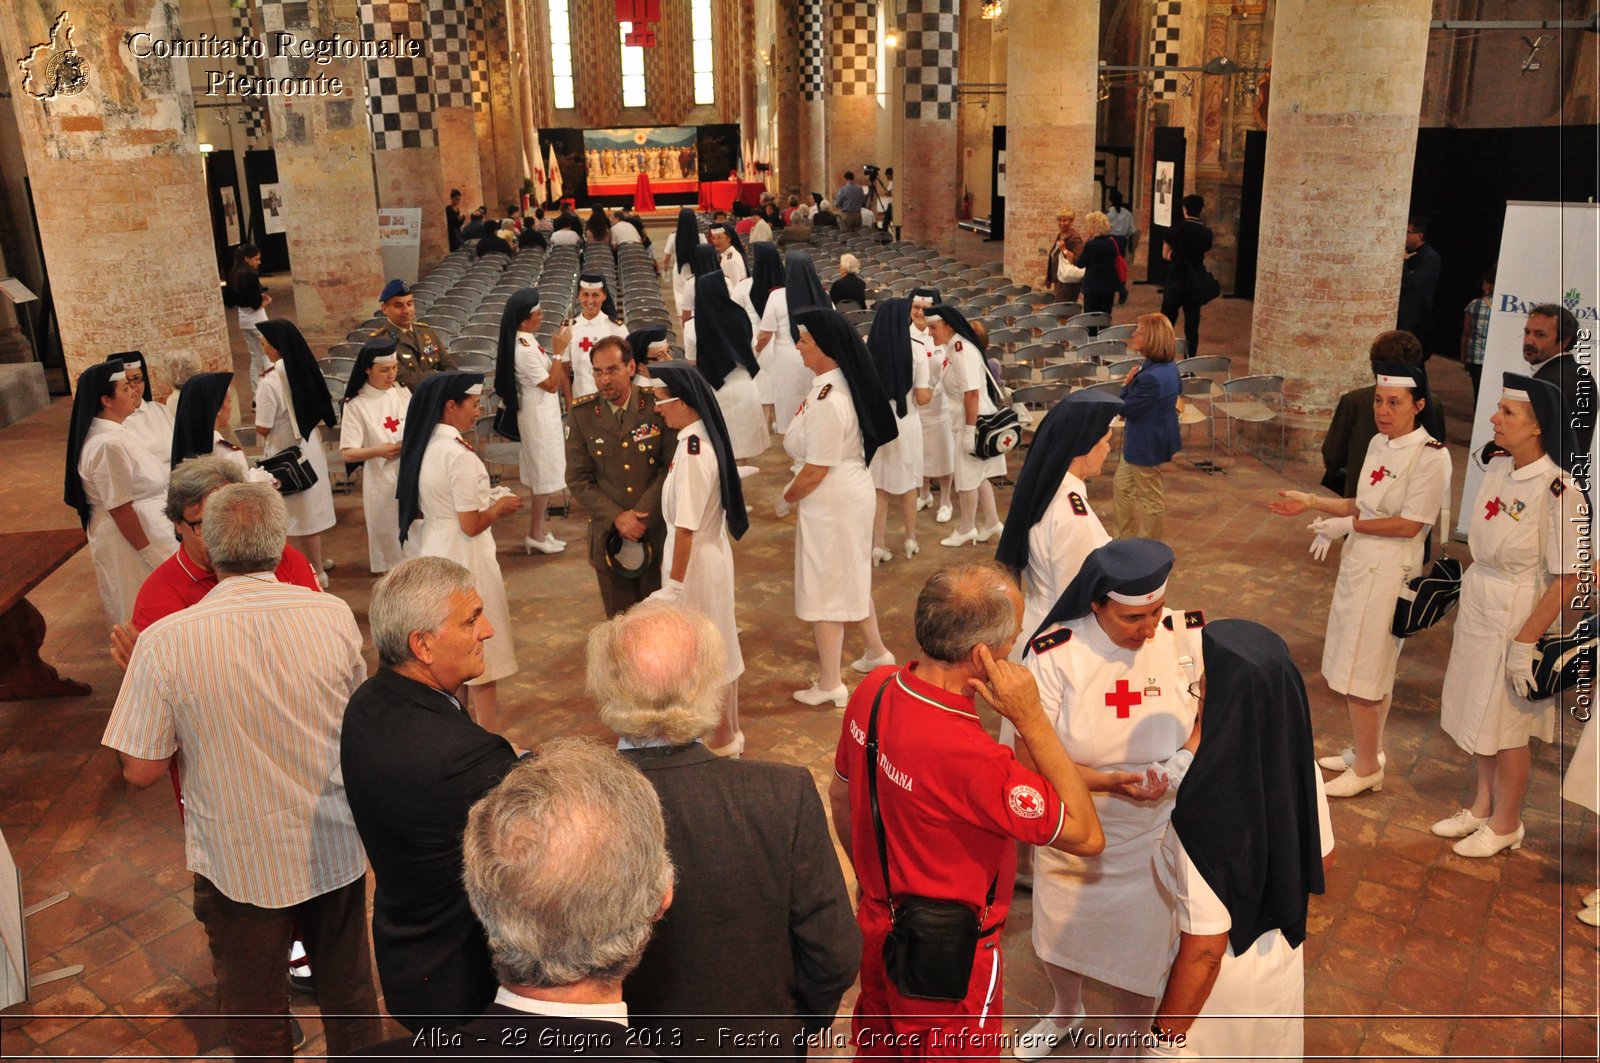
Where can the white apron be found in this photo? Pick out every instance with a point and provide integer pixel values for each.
(897, 465)
(586, 332)
(691, 498)
(791, 380)
(311, 510)
(1068, 532)
(767, 379)
(1520, 534)
(542, 461)
(1104, 916)
(1404, 477)
(372, 419)
(453, 480)
(152, 425)
(938, 444)
(833, 532)
(117, 469)
(964, 372)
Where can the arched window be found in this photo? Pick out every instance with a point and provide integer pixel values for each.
(561, 55)
(705, 90)
(633, 92)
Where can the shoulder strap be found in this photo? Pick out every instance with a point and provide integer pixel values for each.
(872, 787)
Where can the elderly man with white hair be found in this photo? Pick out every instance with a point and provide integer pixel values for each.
(761, 942)
(414, 763)
(252, 682)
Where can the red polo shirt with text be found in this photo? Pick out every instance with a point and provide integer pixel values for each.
(178, 583)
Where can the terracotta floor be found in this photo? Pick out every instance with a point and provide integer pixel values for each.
(1412, 952)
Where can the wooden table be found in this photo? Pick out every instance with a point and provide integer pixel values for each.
(26, 558)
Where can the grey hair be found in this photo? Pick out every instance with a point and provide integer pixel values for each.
(181, 365)
(658, 673)
(964, 606)
(196, 478)
(566, 866)
(245, 529)
(414, 596)
(849, 263)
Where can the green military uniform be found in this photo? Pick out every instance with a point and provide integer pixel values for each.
(421, 352)
(615, 463)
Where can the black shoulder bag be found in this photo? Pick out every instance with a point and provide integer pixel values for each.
(932, 943)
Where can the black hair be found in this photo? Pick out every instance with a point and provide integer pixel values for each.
(1418, 222)
(244, 251)
(455, 193)
(1566, 322)
(1194, 205)
(849, 175)
(624, 349)
(1116, 198)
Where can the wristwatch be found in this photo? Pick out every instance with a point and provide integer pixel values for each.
(1160, 1034)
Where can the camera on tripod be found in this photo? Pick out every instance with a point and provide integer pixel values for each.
(871, 171)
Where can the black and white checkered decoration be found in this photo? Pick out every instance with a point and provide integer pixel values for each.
(478, 53)
(933, 40)
(447, 46)
(812, 60)
(853, 47)
(253, 111)
(399, 93)
(1164, 46)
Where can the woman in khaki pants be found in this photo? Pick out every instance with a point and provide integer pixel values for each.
(1150, 437)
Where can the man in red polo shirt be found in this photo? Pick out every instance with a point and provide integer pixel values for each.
(952, 801)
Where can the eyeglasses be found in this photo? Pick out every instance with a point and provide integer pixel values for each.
(194, 525)
(1196, 692)
(664, 400)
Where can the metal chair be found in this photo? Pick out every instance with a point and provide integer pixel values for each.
(1109, 387)
(1118, 370)
(1071, 335)
(1009, 337)
(1092, 322)
(1255, 399)
(1040, 396)
(1036, 353)
(474, 354)
(1117, 332)
(1016, 371)
(495, 450)
(1103, 351)
(1037, 299)
(1035, 322)
(1062, 311)
(344, 350)
(339, 369)
(1079, 373)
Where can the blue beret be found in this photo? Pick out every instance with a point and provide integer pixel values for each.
(393, 289)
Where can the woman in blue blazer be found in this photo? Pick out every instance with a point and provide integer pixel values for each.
(1150, 436)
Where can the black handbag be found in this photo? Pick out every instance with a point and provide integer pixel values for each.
(1565, 660)
(999, 432)
(291, 469)
(1205, 286)
(1430, 597)
(931, 945)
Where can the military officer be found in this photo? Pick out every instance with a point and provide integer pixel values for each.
(420, 349)
(618, 448)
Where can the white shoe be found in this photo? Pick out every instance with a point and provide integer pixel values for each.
(865, 664)
(1589, 916)
(329, 566)
(924, 503)
(322, 579)
(985, 536)
(880, 555)
(1592, 900)
(1458, 825)
(1350, 784)
(733, 749)
(1346, 758)
(960, 538)
(553, 541)
(1042, 1037)
(1485, 842)
(812, 696)
(944, 514)
(913, 548)
(544, 546)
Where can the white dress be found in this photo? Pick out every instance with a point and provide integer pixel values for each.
(151, 424)
(833, 532)
(897, 465)
(117, 469)
(1527, 526)
(938, 442)
(691, 498)
(543, 462)
(1267, 984)
(373, 419)
(1114, 709)
(766, 380)
(311, 510)
(733, 267)
(739, 401)
(586, 332)
(791, 380)
(1068, 532)
(453, 480)
(965, 371)
(1405, 477)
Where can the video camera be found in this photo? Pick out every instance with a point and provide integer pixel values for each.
(871, 171)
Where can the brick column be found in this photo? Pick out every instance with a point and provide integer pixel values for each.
(507, 164)
(450, 25)
(786, 93)
(117, 181)
(531, 158)
(405, 145)
(813, 100)
(926, 184)
(1050, 125)
(852, 88)
(324, 160)
(478, 47)
(1341, 145)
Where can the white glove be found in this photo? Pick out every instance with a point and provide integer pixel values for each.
(153, 554)
(969, 439)
(671, 592)
(781, 508)
(1319, 547)
(1333, 528)
(1298, 496)
(1175, 768)
(1519, 667)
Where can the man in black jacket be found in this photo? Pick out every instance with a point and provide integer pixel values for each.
(1548, 337)
(1185, 251)
(413, 764)
(1419, 279)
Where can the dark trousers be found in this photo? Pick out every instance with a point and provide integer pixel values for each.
(618, 594)
(250, 952)
(1175, 299)
(1475, 371)
(1098, 304)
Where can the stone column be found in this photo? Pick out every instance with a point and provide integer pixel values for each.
(1050, 126)
(109, 143)
(531, 158)
(507, 162)
(324, 160)
(1345, 101)
(927, 190)
(483, 104)
(449, 27)
(405, 145)
(785, 90)
(813, 100)
(852, 88)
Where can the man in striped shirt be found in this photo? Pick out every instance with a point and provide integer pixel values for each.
(251, 682)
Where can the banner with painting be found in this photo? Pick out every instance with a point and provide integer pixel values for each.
(614, 159)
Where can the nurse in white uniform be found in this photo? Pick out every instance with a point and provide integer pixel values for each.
(1117, 673)
(843, 421)
(151, 423)
(291, 402)
(443, 482)
(938, 439)
(117, 487)
(717, 339)
(595, 321)
(529, 383)
(766, 277)
(1404, 481)
(1249, 843)
(969, 394)
(1529, 535)
(897, 467)
(792, 380)
(703, 506)
(730, 255)
(369, 434)
(679, 259)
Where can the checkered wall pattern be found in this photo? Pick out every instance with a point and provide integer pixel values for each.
(853, 47)
(1164, 46)
(933, 40)
(448, 31)
(478, 53)
(253, 112)
(812, 60)
(399, 91)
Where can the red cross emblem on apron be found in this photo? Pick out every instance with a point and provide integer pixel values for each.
(391, 423)
(1123, 699)
(584, 344)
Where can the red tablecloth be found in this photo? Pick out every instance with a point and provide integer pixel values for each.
(720, 195)
(643, 198)
(750, 193)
